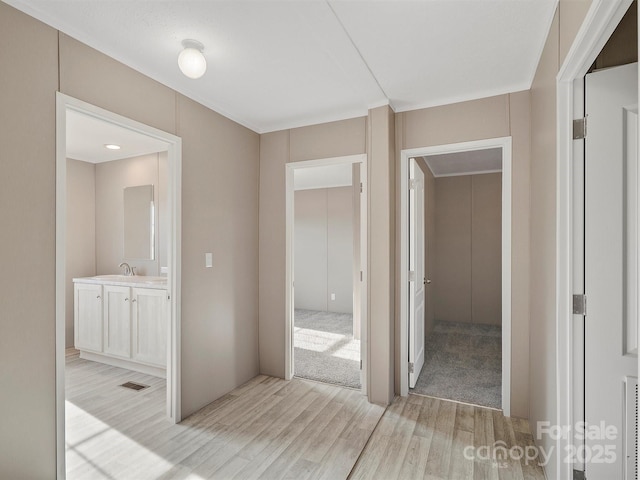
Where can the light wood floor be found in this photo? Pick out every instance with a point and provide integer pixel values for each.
(269, 429)
(424, 437)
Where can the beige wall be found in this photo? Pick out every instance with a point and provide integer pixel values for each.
(543, 381)
(500, 116)
(111, 179)
(468, 266)
(220, 214)
(29, 79)
(323, 250)
(382, 244)
(81, 232)
(486, 249)
(452, 287)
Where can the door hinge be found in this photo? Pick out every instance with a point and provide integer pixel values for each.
(360, 275)
(579, 475)
(580, 128)
(580, 304)
(360, 364)
(361, 188)
(412, 276)
(410, 367)
(413, 184)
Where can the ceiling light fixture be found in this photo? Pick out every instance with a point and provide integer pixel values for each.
(112, 146)
(191, 60)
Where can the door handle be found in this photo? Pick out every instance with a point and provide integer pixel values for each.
(428, 282)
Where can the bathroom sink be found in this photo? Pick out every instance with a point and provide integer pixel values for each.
(132, 279)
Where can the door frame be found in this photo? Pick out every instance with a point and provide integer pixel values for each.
(174, 153)
(505, 144)
(289, 260)
(601, 20)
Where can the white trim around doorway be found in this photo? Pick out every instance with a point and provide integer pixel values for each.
(66, 103)
(505, 144)
(601, 20)
(289, 267)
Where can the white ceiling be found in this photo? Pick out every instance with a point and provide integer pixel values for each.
(465, 163)
(87, 137)
(275, 64)
(326, 176)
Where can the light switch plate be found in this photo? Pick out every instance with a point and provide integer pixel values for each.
(333, 296)
(208, 260)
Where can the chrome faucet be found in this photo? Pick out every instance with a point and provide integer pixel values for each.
(128, 271)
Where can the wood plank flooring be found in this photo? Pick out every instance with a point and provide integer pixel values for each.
(423, 437)
(273, 429)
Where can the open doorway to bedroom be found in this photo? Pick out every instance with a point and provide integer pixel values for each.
(456, 272)
(327, 252)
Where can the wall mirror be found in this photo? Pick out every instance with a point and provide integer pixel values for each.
(139, 228)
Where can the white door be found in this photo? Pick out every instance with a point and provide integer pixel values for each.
(611, 180)
(417, 279)
(149, 317)
(117, 320)
(88, 316)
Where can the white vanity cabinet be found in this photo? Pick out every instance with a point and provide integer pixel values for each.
(87, 306)
(117, 320)
(122, 321)
(149, 319)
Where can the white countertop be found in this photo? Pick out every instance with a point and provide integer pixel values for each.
(141, 281)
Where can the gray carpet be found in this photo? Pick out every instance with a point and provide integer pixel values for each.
(325, 349)
(463, 362)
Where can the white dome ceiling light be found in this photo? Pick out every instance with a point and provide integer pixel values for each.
(191, 60)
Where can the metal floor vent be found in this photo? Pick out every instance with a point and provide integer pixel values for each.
(134, 386)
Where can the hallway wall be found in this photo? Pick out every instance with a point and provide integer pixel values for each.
(468, 265)
(220, 214)
(543, 380)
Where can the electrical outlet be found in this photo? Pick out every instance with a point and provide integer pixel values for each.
(333, 296)
(208, 260)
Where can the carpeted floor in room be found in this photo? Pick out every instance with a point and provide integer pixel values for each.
(463, 362)
(325, 349)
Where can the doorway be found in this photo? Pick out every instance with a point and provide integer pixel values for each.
(326, 271)
(118, 187)
(457, 326)
(584, 247)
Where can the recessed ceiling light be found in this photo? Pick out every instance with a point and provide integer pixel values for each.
(112, 146)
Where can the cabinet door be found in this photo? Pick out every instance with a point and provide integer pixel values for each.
(88, 316)
(149, 319)
(117, 321)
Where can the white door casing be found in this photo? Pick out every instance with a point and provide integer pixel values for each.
(360, 159)
(65, 103)
(417, 278)
(504, 143)
(611, 210)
